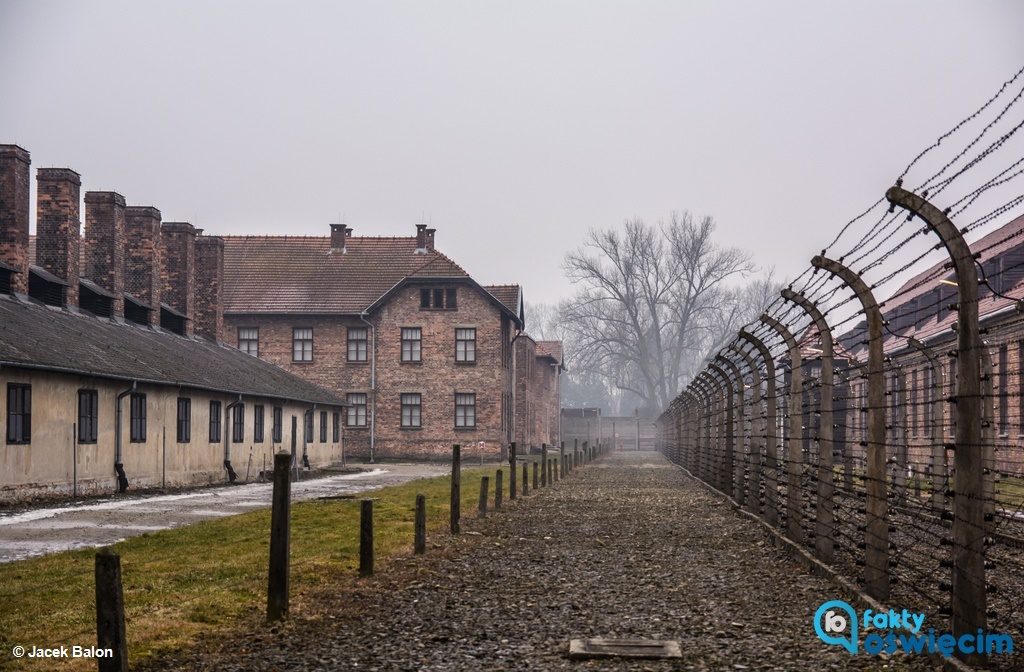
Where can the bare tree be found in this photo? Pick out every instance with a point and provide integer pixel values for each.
(651, 300)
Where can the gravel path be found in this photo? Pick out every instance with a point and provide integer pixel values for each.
(626, 547)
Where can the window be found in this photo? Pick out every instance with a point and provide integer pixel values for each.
(357, 344)
(411, 410)
(88, 415)
(465, 410)
(214, 422)
(465, 345)
(19, 413)
(138, 418)
(323, 426)
(184, 420)
(438, 298)
(249, 341)
(1004, 386)
(257, 423)
(238, 423)
(336, 426)
(913, 402)
(277, 434)
(356, 410)
(302, 345)
(308, 426)
(412, 341)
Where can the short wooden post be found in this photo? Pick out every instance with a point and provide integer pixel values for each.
(280, 514)
(420, 526)
(526, 478)
(557, 468)
(551, 470)
(544, 464)
(536, 479)
(110, 612)
(512, 470)
(498, 487)
(456, 498)
(366, 537)
(485, 486)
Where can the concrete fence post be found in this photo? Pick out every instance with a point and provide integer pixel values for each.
(771, 419)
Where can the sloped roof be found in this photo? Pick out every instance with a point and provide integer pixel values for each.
(41, 337)
(511, 296)
(302, 274)
(552, 349)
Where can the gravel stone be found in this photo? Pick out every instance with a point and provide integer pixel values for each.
(627, 547)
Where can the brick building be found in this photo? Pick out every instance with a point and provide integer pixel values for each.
(538, 392)
(104, 383)
(923, 309)
(422, 353)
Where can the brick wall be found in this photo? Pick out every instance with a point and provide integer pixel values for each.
(14, 213)
(437, 378)
(104, 243)
(143, 257)
(209, 298)
(58, 225)
(178, 248)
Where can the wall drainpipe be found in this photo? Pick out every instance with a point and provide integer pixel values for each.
(122, 479)
(305, 444)
(373, 385)
(229, 428)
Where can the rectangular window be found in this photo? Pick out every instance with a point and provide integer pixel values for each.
(465, 345)
(323, 426)
(238, 423)
(257, 423)
(138, 418)
(302, 345)
(412, 341)
(184, 423)
(278, 428)
(439, 298)
(1004, 388)
(411, 410)
(214, 422)
(249, 340)
(357, 338)
(19, 413)
(88, 415)
(913, 403)
(929, 401)
(356, 409)
(1020, 387)
(336, 427)
(465, 409)
(308, 427)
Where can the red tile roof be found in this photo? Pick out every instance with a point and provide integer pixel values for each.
(302, 274)
(509, 295)
(552, 349)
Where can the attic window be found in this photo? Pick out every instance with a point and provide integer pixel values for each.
(172, 320)
(45, 287)
(438, 298)
(95, 299)
(135, 311)
(5, 279)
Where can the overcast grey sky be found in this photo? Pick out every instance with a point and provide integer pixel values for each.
(513, 127)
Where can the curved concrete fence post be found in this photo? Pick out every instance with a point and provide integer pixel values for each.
(771, 420)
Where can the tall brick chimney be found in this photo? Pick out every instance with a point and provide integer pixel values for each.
(143, 260)
(430, 239)
(14, 204)
(104, 244)
(421, 238)
(58, 227)
(339, 235)
(178, 240)
(209, 317)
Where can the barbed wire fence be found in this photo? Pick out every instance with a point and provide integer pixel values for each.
(887, 437)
